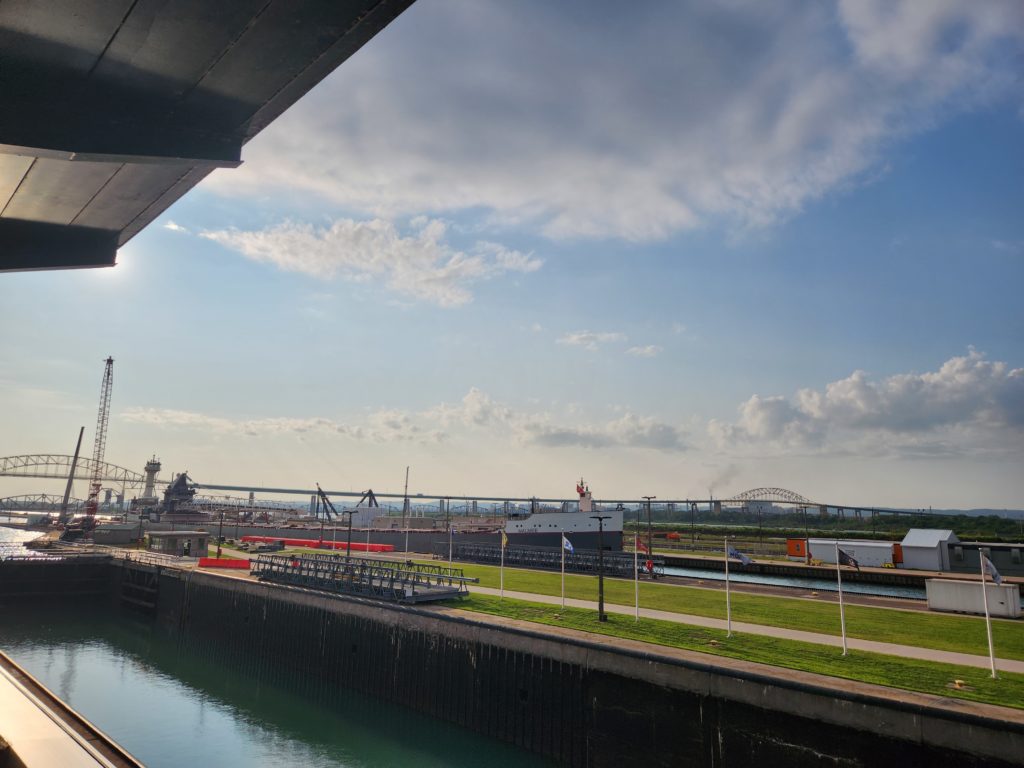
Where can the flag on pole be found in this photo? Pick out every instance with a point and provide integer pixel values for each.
(846, 559)
(728, 602)
(565, 546)
(990, 569)
(842, 558)
(636, 577)
(501, 577)
(735, 554)
(642, 547)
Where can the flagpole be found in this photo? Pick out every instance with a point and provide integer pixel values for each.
(561, 545)
(728, 603)
(636, 578)
(988, 621)
(842, 613)
(502, 571)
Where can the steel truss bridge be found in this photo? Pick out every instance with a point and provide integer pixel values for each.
(57, 466)
(41, 502)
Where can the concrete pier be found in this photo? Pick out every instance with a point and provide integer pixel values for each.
(579, 699)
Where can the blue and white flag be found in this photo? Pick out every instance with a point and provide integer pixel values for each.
(990, 569)
(735, 554)
(566, 544)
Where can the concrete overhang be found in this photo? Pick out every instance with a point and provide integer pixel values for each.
(114, 109)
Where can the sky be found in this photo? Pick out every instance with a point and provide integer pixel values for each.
(674, 248)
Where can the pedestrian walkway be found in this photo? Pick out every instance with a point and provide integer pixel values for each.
(889, 649)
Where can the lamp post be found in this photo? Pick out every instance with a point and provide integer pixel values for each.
(601, 615)
(650, 535)
(348, 547)
(220, 531)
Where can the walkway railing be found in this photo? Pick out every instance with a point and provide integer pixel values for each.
(407, 582)
(581, 561)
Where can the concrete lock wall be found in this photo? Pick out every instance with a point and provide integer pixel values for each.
(581, 702)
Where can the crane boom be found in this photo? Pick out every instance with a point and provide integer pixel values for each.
(99, 444)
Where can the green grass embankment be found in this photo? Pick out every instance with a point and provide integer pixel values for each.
(963, 634)
(890, 671)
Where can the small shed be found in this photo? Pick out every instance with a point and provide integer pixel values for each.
(927, 549)
(179, 543)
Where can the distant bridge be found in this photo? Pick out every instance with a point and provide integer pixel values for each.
(44, 502)
(773, 495)
(56, 466)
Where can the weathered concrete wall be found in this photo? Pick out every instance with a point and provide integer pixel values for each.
(578, 701)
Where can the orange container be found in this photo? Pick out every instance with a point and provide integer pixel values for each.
(796, 548)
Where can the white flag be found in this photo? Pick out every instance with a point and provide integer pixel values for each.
(990, 569)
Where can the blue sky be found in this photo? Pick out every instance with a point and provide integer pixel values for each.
(697, 246)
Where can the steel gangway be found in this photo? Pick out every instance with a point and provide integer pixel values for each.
(391, 580)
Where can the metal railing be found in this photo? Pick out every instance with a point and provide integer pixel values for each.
(406, 582)
(547, 558)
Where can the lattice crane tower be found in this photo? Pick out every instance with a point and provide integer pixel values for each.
(100, 444)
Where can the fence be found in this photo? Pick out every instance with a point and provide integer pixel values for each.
(549, 559)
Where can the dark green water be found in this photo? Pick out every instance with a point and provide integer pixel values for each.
(169, 708)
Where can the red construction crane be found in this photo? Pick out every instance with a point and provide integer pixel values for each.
(99, 446)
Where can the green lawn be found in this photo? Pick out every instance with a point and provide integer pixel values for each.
(891, 671)
(964, 634)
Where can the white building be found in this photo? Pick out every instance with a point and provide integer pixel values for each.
(927, 549)
(870, 554)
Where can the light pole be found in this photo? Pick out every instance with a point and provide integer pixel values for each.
(650, 535)
(601, 615)
(348, 547)
(220, 531)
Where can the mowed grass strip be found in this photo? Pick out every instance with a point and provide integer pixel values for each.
(944, 632)
(890, 671)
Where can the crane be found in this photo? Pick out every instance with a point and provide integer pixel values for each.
(99, 446)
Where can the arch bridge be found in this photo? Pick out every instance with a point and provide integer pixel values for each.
(773, 495)
(56, 466)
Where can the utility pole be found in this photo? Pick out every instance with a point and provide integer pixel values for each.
(63, 518)
(405, 494)
(601, 615)
(650, 535)
(220, 531)
(348, 547)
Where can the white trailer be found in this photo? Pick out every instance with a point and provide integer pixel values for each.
(965, 597)
(871, 554)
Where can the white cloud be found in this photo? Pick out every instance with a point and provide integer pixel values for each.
(380, 426)
(590, 339)
(968, 404)
(476, 412)
(649, 350)
(421, 265)
(174, 227)
(735, 111)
